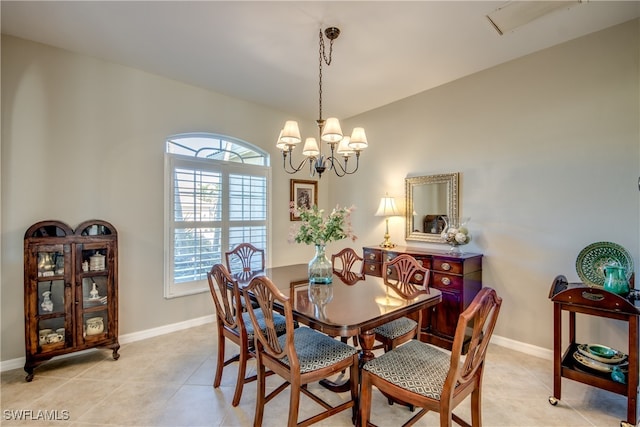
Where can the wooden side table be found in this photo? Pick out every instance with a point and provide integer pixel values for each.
(580, 298)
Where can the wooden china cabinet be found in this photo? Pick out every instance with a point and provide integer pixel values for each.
(70, 290)
(457, 276)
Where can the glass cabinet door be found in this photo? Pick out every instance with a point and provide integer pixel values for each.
(94, 285)
(53, 264)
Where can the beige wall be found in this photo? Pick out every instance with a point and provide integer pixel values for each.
(84, 138)
(547, 147)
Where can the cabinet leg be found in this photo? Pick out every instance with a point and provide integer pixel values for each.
(115, 347)
(29, 376)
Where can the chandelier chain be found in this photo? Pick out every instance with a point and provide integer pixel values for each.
(323, 56)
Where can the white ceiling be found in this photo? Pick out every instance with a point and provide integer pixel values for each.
(267, 52)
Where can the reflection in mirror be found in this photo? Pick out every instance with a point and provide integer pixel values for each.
(429, 199)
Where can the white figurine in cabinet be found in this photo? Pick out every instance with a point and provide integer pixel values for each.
(94, 294)
(47, 304)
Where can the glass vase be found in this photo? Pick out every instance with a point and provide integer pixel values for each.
(320, 268)
(320, 295)
(456, 233)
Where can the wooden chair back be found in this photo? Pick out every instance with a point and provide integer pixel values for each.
(407, 271)
(227, 299)
(245, 253)
(480, 318)
(344, 262)
(266, 294)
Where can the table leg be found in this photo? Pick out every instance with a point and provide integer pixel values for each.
(367, 340)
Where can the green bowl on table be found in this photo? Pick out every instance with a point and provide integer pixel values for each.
(601, 351)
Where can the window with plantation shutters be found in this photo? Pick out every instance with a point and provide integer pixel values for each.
(217, 197)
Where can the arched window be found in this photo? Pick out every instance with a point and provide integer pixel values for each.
(216, 193)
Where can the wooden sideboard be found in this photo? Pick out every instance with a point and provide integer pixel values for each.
(457, 276)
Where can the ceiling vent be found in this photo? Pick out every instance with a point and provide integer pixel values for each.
(515, 14)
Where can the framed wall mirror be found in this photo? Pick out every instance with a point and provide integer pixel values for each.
(428, 200)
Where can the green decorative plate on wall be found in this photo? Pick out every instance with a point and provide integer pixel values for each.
(592, 260)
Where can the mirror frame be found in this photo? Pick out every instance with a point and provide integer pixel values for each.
(451, 180)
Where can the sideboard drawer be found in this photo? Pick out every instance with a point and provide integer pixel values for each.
(447, 281)
(448, 266)
(424, 260)
(373, 269)
(372, 255)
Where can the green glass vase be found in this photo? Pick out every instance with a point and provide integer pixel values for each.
(320, 268)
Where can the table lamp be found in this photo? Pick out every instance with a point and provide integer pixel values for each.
(387, 208)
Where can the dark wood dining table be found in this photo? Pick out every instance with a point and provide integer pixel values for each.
(357, 304)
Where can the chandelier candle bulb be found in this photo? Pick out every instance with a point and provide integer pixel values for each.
(343, 148)
(310, 147)
(331, 132)
(290, 133)
(358, 139)
(279, 143)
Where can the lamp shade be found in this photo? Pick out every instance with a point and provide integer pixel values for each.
(310, 148)
(281, 145)
(358, 139)
(343, 147)
(290, 133)
(331, 132)
(387, 207)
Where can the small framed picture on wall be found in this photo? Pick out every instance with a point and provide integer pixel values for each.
(304, 194)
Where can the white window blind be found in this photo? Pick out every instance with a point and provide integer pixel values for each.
(216, 200)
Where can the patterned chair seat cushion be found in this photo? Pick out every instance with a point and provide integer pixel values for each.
(316, 350)
(278, 321)
(414, 366)
(253, 303)
(396, 328)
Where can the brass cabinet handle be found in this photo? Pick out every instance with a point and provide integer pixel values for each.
(419, 277)
(372, 268)
(446, 281)
(446, 266)
(372, 256)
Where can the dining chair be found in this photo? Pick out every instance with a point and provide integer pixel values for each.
(300, 356)
(343, 266)
(233, 323)
(407, 270)
(432, 379)
(344, 261)
(244, 258)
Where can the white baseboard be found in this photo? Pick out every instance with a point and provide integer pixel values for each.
(174, 327)
(522, 347)
(19, 362)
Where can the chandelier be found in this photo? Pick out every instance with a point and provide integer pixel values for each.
(328, 130)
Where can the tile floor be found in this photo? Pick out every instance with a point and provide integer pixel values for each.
(167, 381)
